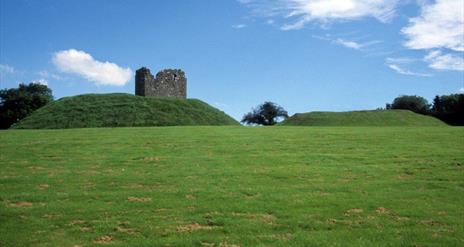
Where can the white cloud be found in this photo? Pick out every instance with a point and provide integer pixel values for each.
(403, 71)
(302, 12)
(348, 44)
(438, 60)
(6, 69)
(239, 26)
(440, 25)
(398, 64)
(83, 64)
(41, 81)
(461, 90)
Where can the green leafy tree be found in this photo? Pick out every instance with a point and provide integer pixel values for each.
(17, 103)
(449, 108)
(437, 105)
(410, 102)
(267, 113)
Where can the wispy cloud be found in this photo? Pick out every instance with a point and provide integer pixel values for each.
(48, 75)
(356, 45)
(400, 60)
(399, 64)
(84, 65)
(349, 44)
(403, 71)
(239, 26)
(438, 60)
(6, 69)
(298, 13)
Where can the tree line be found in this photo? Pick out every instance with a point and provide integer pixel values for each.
(448, 108)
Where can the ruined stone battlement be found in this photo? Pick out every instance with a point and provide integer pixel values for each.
(167, 83)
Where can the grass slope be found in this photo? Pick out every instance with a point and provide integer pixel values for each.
(123, 110)
(363, 118)
(232, 186)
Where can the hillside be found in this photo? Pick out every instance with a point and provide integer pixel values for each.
(363, 118)
(123, 110)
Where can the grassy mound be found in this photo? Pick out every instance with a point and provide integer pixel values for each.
(363, 118)
(123, 110)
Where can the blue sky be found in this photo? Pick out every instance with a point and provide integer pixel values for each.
(306, 55)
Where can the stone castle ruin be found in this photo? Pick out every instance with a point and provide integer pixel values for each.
(167, 83)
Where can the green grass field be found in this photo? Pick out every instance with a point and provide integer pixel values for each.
(363, 118)
(233, 186)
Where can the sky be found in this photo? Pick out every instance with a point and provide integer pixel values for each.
(305, 55)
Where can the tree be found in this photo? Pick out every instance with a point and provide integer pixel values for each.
(17, 103)
(410, 102)
(437, 106)
(267, 113)
(449, 108)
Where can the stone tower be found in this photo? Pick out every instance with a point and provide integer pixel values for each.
(167, 83)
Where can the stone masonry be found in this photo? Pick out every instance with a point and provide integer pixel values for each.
(167, 83)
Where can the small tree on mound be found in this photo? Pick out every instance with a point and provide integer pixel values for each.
(267, 113)
(413, 103)
(18, 103)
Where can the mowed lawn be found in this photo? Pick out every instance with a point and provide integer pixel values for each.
(232, 186)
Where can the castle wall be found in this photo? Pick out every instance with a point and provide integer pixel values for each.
(167, 83)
